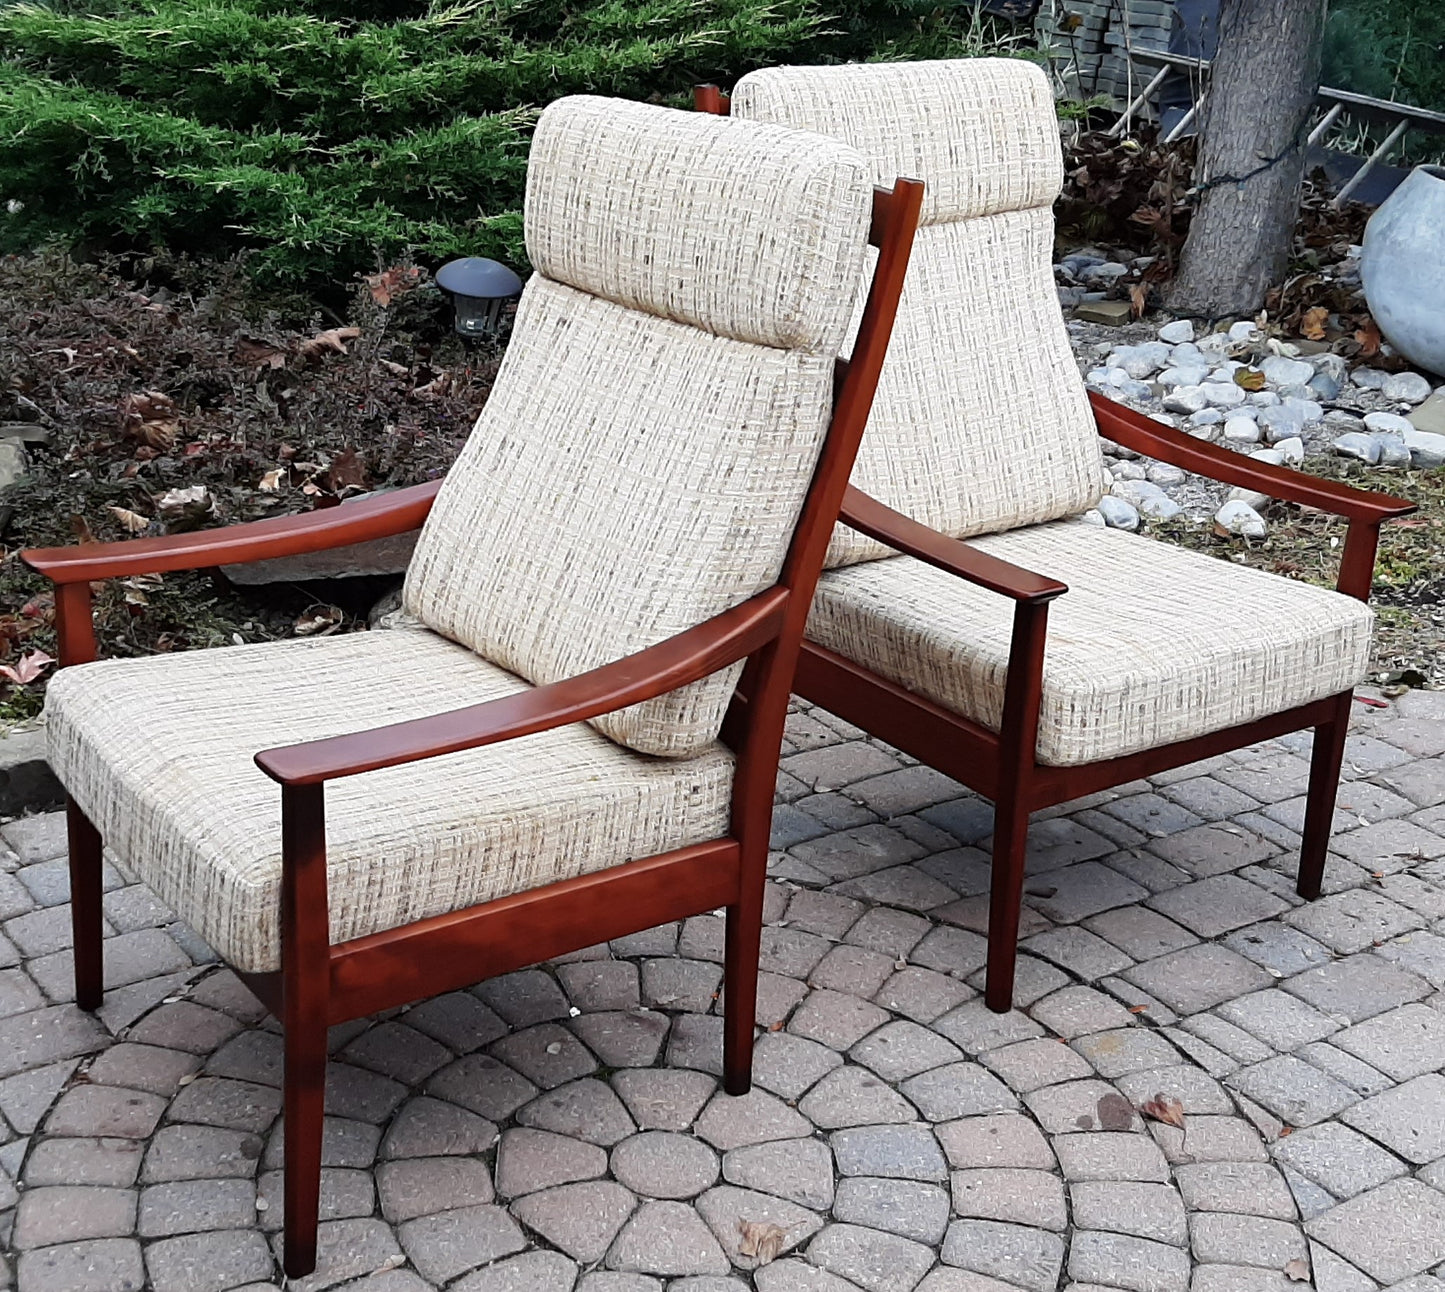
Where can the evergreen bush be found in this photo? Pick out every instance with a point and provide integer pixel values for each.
(324, 134)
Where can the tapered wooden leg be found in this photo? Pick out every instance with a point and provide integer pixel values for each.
(85, 885)
(740, 978)
(1005, 900)
(1325, 762)
(305, 1001)
(305, 1103)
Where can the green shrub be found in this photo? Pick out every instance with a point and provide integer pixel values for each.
(324, 135)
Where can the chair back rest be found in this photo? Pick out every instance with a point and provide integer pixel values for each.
(981, 422)
(645, 452)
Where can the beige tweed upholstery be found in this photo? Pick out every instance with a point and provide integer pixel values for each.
(158, 753)
(1151, 644)
(981, 422)
(647, 447)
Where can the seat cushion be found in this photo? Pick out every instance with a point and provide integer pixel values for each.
(1151, 644)
(158, 753)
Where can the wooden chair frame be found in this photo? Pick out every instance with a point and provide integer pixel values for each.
(320, 984)
(1002, 765)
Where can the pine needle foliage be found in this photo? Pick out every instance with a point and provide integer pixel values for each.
(324, 135)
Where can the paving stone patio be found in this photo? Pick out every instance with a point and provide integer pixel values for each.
(562, 1127)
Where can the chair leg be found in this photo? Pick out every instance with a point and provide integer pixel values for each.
(85, 886)
(1006, 891)
(305, 1101)
(740, 980)
(1325, 762)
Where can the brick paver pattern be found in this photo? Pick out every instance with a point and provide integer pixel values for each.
(562, 1127)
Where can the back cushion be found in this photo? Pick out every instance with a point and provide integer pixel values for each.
(646, 449)
(981, 422)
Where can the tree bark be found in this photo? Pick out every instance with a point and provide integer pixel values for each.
(1253, 124)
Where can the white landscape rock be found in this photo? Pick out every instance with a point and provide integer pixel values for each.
(1178, 332)
(1291, 451)
(1223, 394)
(1388, 423)
(1117, 513)
(1127, 471)
(1241, 430)
(1186, 399)
(1264, 398)
(1166, 473)
(1280, 371)
(1281, 422)
(1177, 376)
(1244, 331)
(1426, 448)
(1238, 517)
(1407, 387)
(1275, 456)
(1394, 452)
(1093, 517)
(1358, 445)
(1369, 378)
(1250, 497)
(1308, 409)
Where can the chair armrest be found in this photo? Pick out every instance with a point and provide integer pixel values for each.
(380, 516)
(869, 516)
(1144, 435)
(714, 644)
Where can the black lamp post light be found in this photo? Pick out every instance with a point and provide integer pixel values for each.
(478, 288)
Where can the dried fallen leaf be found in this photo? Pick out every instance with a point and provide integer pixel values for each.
(1312, 323)
(27, 668)
(1138, 299)
(761, 1239)
(396, 369)
(1297, 1270)
(80, 527)
(271, 481)
(1164, 1108)
(435, 388)
(131, 521)
(259, 354)
(1249, 378)
(152, 418)
(318, 621)
(391, 283)
(190, 501)
(333, 339)
(1369, 340)
(347, 471)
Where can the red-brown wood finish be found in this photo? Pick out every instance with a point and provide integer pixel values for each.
(318, 983)
(1003, 765)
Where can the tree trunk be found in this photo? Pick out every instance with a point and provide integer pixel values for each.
(1253, 124)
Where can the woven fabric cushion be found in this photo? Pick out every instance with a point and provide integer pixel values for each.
(981, 132)
(158, 753)
(633, 475)
(1151, 644)
(753, 232)
(981, 422)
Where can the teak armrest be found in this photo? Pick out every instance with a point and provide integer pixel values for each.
(380, 516)
(869, 516)
(1145, 435)
(691, 655)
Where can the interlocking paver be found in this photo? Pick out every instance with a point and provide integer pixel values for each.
(1391, 1232)
(100, 1265)
(885, 1051)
